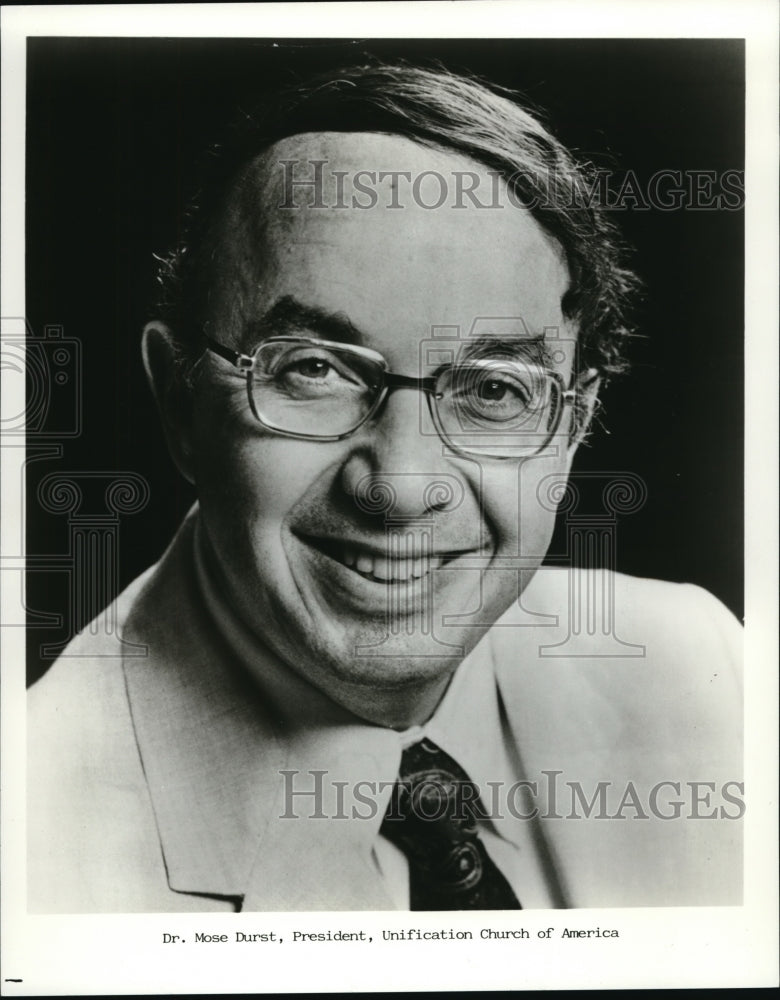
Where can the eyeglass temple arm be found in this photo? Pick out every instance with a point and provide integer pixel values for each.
(583, 381)
(242, 361)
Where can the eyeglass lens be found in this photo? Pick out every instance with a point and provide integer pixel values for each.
(493, 407)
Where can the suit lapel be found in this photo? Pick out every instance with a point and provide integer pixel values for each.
(213, 752)
(207, 744)
(624, 730)
(564, 729)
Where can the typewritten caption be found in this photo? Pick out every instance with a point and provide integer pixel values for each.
(412, 934)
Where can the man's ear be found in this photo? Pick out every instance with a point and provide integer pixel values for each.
(160, 355)
(588, 385)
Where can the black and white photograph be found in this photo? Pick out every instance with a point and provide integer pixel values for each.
(382, 463)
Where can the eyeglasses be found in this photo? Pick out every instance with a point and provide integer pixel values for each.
(317, 390)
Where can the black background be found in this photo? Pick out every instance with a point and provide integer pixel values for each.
(114, 126)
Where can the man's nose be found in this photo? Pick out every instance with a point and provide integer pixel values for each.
(398, 467)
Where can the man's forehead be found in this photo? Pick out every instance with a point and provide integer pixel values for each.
(353, 163)
(347, 216)
(328, 180)
(315, 184)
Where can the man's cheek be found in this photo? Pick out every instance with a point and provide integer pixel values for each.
(248, 475)
(518, 510)
(543, 485)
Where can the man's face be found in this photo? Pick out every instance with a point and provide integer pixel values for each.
(306, 560)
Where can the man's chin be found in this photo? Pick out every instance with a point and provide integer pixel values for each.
(390, 685)
(375, 659)
(406, 645)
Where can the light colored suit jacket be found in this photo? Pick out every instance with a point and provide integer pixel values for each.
(154, 783)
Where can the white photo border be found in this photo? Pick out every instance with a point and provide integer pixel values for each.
(678, 948)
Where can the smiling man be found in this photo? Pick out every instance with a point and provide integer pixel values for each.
(375, 357)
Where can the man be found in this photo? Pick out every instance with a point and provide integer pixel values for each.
(376, 354)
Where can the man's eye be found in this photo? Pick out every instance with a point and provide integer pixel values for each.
(487, 390)
(309, 367)
(319, 367)
(306, 375)
(495, 391)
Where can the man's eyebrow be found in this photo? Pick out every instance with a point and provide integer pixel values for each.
(536, 348)
(289, 317)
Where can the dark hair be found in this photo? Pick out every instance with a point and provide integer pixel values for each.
(441, 109)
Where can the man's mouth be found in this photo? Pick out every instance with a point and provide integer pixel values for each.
(379, 566)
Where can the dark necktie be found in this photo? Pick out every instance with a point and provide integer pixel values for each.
(432, 817)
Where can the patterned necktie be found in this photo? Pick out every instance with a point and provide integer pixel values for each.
(432, 817)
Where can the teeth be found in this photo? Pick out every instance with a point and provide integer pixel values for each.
(389, 570)
(382, 569)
